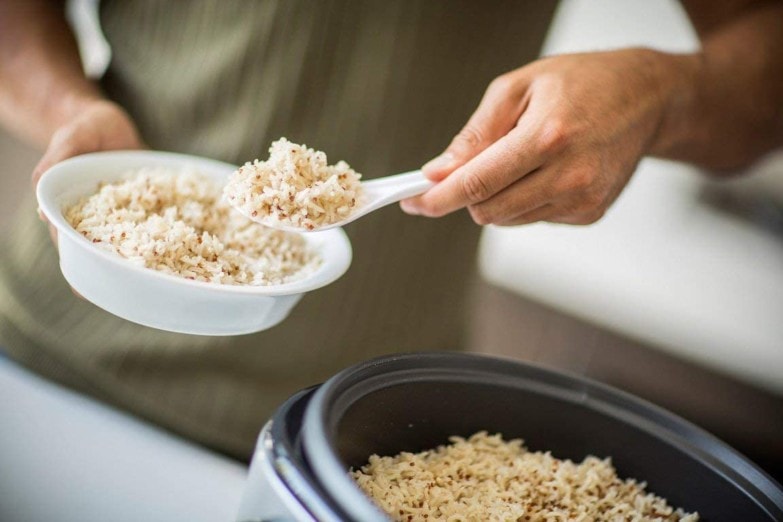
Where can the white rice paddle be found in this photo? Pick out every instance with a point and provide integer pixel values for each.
(376, 193)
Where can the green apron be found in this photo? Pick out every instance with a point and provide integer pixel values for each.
(381, 84)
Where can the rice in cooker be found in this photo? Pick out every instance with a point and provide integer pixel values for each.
(486, 478)
(175, 221)
(295, 187)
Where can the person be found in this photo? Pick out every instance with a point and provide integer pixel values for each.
(381, 85)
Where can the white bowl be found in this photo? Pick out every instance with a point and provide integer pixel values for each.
(160, 300)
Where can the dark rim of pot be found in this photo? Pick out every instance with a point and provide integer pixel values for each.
(335, 396)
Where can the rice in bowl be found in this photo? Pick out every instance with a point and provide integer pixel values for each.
(486, 478)
(296, 187)
(175, 221)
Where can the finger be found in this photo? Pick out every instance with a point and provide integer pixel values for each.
(53, 235)
(77, 294)
(60, 149)
(43, 165)
(543, 213)
(580, 218)
(524, 195)
(52, 229)
(558, 212)
(497, 113)
(510, 158)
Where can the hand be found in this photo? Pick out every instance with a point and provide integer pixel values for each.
(98, 125)
(555, 141)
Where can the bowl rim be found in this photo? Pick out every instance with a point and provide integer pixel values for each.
(318, 438)
(331, 268)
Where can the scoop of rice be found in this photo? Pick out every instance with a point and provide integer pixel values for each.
(295, 186)
(486, 478)
(176, 222)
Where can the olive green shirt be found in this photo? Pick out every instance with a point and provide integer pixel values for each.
(381, 84)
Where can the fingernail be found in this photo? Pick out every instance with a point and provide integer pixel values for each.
(408, 207)
(443, 162)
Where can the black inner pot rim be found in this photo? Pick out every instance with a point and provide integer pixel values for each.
(337, 395)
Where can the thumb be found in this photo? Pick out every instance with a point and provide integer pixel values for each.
(500, 108)
(57, 151)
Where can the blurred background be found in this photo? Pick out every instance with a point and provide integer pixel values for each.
(676, 295)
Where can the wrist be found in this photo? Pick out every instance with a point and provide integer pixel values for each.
(676, 77)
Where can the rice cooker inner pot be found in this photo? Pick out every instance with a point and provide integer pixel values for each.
(415, 402)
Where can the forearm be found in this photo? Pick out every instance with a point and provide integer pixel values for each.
(42, 84)
(724, 105)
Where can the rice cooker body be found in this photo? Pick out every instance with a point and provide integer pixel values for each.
(416, 401)
(280, 486)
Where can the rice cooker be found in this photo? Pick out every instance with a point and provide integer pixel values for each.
(414, 402)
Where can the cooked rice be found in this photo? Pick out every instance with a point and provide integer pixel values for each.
(176, 222)
(294, 187)
(487, 478)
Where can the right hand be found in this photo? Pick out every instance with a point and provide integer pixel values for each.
(99, 125)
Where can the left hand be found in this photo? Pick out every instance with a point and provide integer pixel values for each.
(555, 141)
(94, 125)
